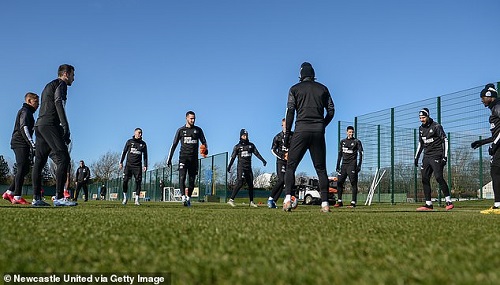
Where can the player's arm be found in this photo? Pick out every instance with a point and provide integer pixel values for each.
(23, 128)
(330, 108)
(177, 138)
(124, 153)
(233, 157)
(339, 157)
(145, 154)
(276, 148)
(59, 98)
(360, 152)
(203, 140)
(257, 154)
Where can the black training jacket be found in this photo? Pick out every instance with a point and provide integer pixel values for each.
(309, 99)
(190, 139)
(24, 118)
(278, 147)
(432, 139)
(134, 150)
(244, 151)
(348, 152)
(52, 111)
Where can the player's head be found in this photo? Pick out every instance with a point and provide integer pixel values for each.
(424, 115)
(66, 72)
(306, 71)
(138, 133)
(283, 124)
(190, 118)
(32, 99)
(350, 131)
(488, 94)
(244, 134)
(82, 163)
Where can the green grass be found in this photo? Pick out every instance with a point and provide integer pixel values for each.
(212, 243)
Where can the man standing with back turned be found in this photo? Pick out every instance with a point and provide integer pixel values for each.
(309, 99)
(53, 136)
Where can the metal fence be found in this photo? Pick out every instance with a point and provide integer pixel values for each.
(210, 183)
(390, 140)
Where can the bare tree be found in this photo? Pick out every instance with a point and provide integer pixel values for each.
(106, 167)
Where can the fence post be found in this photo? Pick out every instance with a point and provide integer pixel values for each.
(415, 168)
(481, 182)
(449, 162)
(438, 103)
(378, 158)
(392, 156)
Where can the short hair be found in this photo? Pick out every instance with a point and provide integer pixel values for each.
(350, 128)
(190, 113)
(82, 161)
(65, 68)
(138, 129)
(283, 119)
(30, 95)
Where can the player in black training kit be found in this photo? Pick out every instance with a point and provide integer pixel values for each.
(348, 153)
(281, 154)
(53, 136)
(82, 177)
(244, 150)
(135, 149)
(309, 99)
(23, 146)
(190, 136)
(432, 139)
(489, 97)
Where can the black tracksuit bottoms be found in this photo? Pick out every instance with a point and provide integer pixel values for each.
(280, 173)
(243, 175)
(50, 141)
(23, 167)
(315, 143)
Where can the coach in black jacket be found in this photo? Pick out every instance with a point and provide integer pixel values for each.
(82, 177)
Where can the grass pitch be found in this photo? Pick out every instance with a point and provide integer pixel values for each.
(212, 243)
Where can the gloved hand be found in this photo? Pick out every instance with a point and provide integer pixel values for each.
(203, 150)
(476, 144)
(265, 162)
(66, 134)
(416, 162)
(229, 169)
(445, 160)
(492, 149)
(358, 168)
(286, 139)
(169, 163)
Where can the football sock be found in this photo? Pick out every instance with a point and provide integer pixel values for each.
(428, 203)
(287, 198)
(324, 204)
(17, 197)
(497, 204)
(447, 199)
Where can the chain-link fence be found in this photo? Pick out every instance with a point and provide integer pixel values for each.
(390, 140)
(210, 183)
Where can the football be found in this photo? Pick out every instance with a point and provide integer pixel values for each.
(294, 201)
